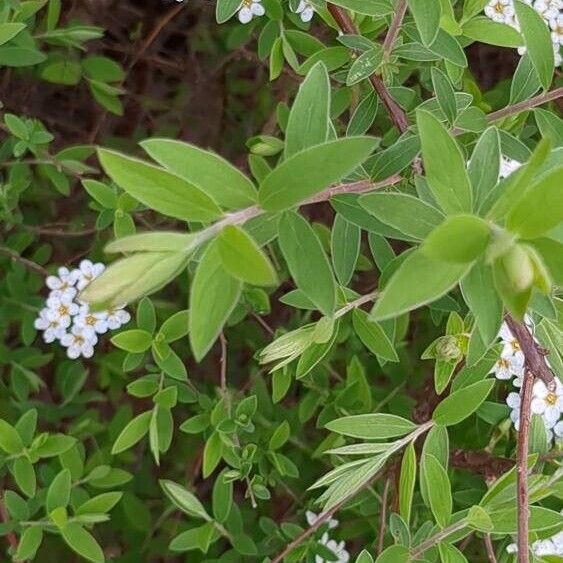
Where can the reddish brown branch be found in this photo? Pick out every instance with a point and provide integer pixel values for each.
(396, 113)
(10, 536)
(394, 28)
(526, 104)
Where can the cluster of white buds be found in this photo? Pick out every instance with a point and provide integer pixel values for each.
(339, 549)
(68, 320)
(546, 403)
(502, 11)
(249, 9)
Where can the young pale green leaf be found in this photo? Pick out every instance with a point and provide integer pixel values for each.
(540, 209)
(365, 65)
(214, 294)
(444, 164)
(176, 326)
(159, 189)
(407, 482)
(24, 475)
(450, 554)
(462, 403)
(212, 174)
(404, 212)
(484, 165)
(309, 119)
(537, 40)
(99, 504)
(373, 336)
(312, 276)
(478, 519)
(134, 431)
(459, 239)
(308, 172)
(376, 426)
(9, 31)
(101, 192)
(29, 543)
(212, 453)
(394, 554)
(427, 18)
(243, 259)
(153, 242)
(419, 280)
(10, 440)
(135, 341)
(344, 248)
(82, 542)
(226, 9)
(222, 498)
(184, 500)
(445, 94)
(438, 488)
(58, 494)
(485, 30)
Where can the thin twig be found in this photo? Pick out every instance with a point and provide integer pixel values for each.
(436, 539)
(397, 115)
(526, 104)
(490, 549)
(394, 28)
(10, 536)
(57, 233)
(27, 263)
(383, 516)
(522, 465)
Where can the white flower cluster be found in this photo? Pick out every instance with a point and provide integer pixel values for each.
(253, 8)
(502, 11)
(339, 549)
(543, 548)
(68, 320)
(545, 403)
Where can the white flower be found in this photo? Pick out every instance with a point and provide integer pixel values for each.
(513, 401)
(78, 343)
(86, 272)
(508, 166)
(548, 9)
(339, 549)
(508, 365)
(312, 518)
(558, 429)
(91, 323)
(511, 347)
(61, 311)
(546, 403)
(501, 11)
(62, 286)
(117, 317)
(249, 9)
(52, 329)
(556, 25)
(305, 11)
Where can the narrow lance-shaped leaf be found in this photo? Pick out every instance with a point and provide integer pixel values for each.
(372, 426)
(427, 18)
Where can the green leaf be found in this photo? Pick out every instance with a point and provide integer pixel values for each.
(485, 30)
(24, 475)
(368, 7)
(153, 242)
(184, 500)
(462, 403)
(484, 165)
(212, 174)
(134, 431)
(10, 440)
(394, 554)
(376, 426)
(82, 542)
(9, 31)
(214, 294)
(427, 18)
(58, 494)
(365, 65)
(99, 504)
(29, 543)
(212, 453)
(450, 554)
(101, 192)
(406, 213)
(243, 259)
(373, 336)
(525, 82)
(159, 189)
(313, 276)
(135, 341)
(444, 164)
(505, 521)
(445, 94)
(309, 119)
(226, 9)
(364, 115)
(438, 488)
(222, 498)
(308, 172)
(419, 280)
(407, 481)
(478, 519)
(176, 326)
(18, 57)
(65, 72)
(459, 239)
(540, 209)
(537, 40)
(345, 248)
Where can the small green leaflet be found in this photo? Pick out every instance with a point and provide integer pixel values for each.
(9, 31)
(313, 276)
(365, 65)
(444, 94)
(444, 164)
(427, 18)
(183, 499)
(483, 168)
(537, 40)
(407, 482)
(419, 280)
(376, 426)
(373, 336)
(345, 248)
(214, 294)
(82, 542)
(225, 9)
(158, 189)
(132, 433)
(243, 259)
(438, 489)
(484, 30)
(212, 174)
(308, 172)
(309, 119)
(368, 7)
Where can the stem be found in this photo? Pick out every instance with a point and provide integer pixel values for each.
(526, 104)
(396, 113)
(490, 549)
(436, 539)
(27, 263)
(394, 29)
(522, 466)
(383, 516)
(356, 303)
(10, 536)
(535, 356)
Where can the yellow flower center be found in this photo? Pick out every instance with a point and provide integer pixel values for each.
(503, 363)
(90, 320)
(247, 3)
(515, 345)
(63, 310)
(551, 399)
(79, 340)
(499, 8)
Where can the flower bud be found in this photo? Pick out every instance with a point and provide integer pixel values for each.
(518, 269)
(447, 348)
